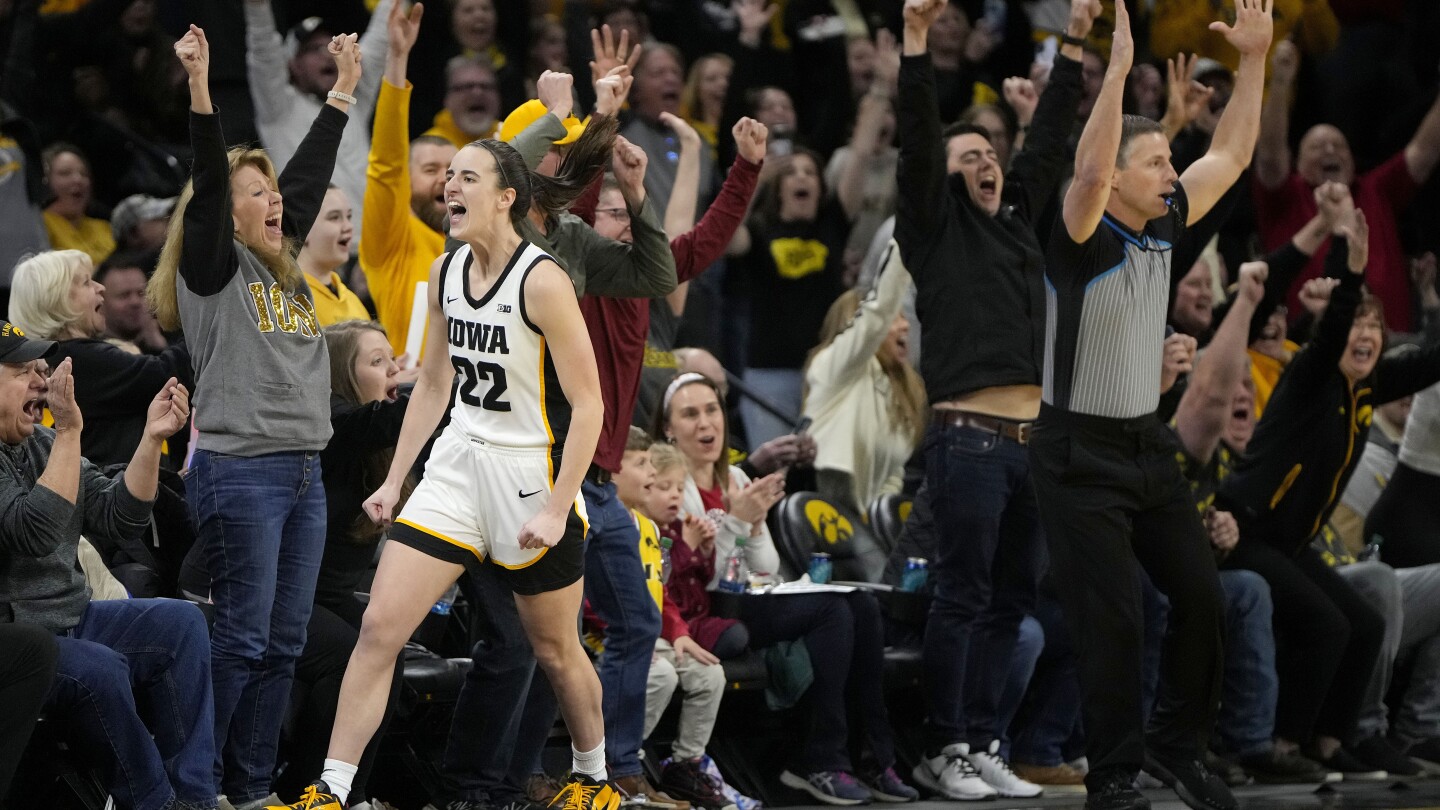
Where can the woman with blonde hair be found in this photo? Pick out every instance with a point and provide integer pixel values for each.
(702, 101)
(228, 277)
(54, 296)
(867, 404)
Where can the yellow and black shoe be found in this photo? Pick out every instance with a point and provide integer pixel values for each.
(584, 793)
(315, 797)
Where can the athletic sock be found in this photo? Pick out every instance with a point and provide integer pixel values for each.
(590, 763)
(338, 776)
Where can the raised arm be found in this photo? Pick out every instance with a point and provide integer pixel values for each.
(550, 299)
(869, 121)
(1205, 407)
(307, 176)
(1100, 142)
(554, 92)
(374, 49)
(34, 522)
(207, 253)
(846, 356)
(428, 402)
(386, 212)
(265, 67)
(1272, 150)
(168, 412)
(645, 268)
(1234, 141)
(1423, 150)
(1036, 171)
(921, 204)
(685, 192)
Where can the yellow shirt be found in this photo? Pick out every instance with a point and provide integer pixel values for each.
(1265, 372)
(334, 302)
(92, 236)
(650, 557)
(397, 248)
(444, 125)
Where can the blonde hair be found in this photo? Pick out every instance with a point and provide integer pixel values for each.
(343, 342)
(907, 404)
(161, 291)
(40, 292)
(690, 96)
(664, 457)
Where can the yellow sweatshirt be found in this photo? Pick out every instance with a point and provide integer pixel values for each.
(396, 248)
(92, 236)
(444, 125)
(334, 302)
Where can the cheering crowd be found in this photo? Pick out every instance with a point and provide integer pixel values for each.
(559, 304)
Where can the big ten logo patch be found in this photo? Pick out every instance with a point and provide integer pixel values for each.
(829, 524)
(290, 312)
(797, 258)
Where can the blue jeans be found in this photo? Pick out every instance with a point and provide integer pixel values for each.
(1029, 643)
(615, 586)
(989, 556)
(506, 707)
(156, 649)
(784, 388)
(1049, 719)
(1246, 724)
(261, 522)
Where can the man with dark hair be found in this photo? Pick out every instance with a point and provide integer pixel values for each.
(127, 315)
(1111, 493)
(968, 238)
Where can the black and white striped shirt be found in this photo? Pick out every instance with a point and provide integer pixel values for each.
(1106, 303)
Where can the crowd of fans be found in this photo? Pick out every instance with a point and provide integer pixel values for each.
(846, 247)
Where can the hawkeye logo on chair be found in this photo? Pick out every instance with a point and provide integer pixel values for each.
(829, 524)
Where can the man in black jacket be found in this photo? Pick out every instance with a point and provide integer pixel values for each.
(967, 234)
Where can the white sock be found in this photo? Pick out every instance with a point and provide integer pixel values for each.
(590, 763)
(338, 775)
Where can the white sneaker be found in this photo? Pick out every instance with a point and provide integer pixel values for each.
(951, 775)
(997, 774)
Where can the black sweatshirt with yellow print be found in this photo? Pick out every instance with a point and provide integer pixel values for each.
(1314, 429)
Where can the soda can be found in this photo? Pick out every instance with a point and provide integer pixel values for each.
(917, 570)
(820, 568)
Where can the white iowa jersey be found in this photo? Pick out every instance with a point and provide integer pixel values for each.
(507, 392)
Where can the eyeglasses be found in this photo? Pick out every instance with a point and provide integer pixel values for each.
(470, 87)
(617, 214)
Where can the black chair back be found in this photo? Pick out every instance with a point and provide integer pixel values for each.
(887, 518)
(805, 522)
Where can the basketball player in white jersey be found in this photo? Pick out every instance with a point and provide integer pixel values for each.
(497, 490)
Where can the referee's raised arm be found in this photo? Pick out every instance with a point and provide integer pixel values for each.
(1100, 142)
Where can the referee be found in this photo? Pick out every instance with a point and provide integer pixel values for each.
(1110, 491)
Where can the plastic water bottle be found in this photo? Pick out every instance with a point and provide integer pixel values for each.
(442, 607)
(737, 573)
(665, 544)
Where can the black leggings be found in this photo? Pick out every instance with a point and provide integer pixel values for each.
(1407, 516)
(26, 670)
(1326, 640)
(845, 639)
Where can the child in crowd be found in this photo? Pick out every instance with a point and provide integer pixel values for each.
(679, 659)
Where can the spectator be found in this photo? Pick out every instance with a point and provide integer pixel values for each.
(989, 119)
(1284, 195)
(791, 257)
(22, 189)
(127, 315)
(289, 81)
(472, 101)
(835, 628)
(1193, 309)
(862, 174)
(702, 102)
(25, 679)
(255, 491)
(1124, 508)
(366, 411)
(1377, 466)
(867, 403)
(113, 654)
(548, 51)
(55, 298)
(67, 175)
(969, 239)
(679, 661)
(1285, 487)
(139, 221)
(405, 228)
(537, 543)
(659, 83)
(327, 248)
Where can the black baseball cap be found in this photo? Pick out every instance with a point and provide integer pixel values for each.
(16, 348)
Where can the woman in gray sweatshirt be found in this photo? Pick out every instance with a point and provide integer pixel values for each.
(228, 276)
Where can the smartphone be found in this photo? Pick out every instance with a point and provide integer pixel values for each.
(802, 426)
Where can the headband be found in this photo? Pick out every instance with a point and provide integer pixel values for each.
(678, 383)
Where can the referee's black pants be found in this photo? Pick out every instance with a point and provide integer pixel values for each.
(1111, 495)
